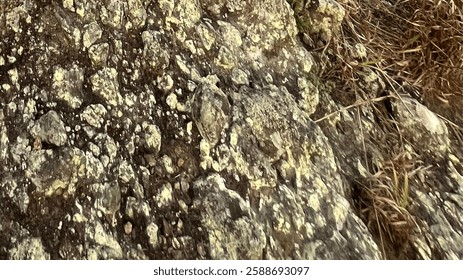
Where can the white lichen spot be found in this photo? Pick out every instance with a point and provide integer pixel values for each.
(207, 36)
(14, 77)
(98, 54)
(69, 4)
(137, 13)
(359, 51)
(6, 87)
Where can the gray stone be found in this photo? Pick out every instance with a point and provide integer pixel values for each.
(426, 131)
(50, 128)
(155, 54)
(152, 137)
(107, 199)
(210, 111)
(228, 220)
(106, 246)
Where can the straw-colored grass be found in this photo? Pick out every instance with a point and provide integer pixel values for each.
(418, 43)
(415, 47)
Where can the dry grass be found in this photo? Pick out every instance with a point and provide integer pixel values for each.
(418, 43)
(416, 47)
(382, 200)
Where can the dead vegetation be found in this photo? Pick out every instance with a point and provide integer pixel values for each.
(417, 42)
(415, 47)
(382, 200)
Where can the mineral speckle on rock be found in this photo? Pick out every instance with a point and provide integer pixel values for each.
(105, 84)
(188, 130)
(67, 85)
(94, 115)
(31, 249)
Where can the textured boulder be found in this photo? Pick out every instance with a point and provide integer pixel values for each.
(186, 131)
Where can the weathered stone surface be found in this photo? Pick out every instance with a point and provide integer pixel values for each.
(425, 129)
(228, 220)
(67, 85)
(94, 115)
(106, 86)
(92, 32)
(193, 130)
(30, 249)
(50, 128)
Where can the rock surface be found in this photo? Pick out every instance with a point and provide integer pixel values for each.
(161, 130)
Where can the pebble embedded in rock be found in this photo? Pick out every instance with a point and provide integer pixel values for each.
(94, 115)
(128, 228)
(50, 129)
(105, 85)
(152, 137)
(210, 111)
(152, 233)
(91, 34)
(137, 13)
(164, 196)
(171, 101)
(68, 84)
(98, 54)
(126, 173)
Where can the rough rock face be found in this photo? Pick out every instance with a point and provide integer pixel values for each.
(184, 130)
